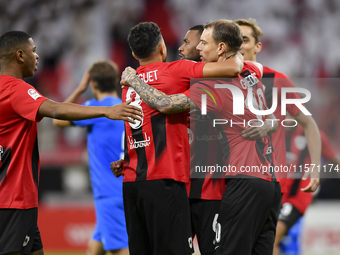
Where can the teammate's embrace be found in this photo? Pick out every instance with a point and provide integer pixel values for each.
(248, 214)
(156, 160)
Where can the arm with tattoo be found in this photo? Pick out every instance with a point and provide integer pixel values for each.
(154, 98)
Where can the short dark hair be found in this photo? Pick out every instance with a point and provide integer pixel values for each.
(144, 38)
(11, 41)
(226, 31)
(257, 33)
(198, 28)
(105, 74)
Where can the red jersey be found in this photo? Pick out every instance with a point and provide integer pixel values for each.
(158, 147)
(298, 155)
(243, 156)
(205, 150)
(274, 79)
(19, 156)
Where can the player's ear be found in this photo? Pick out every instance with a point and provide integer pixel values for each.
(20, 56)
(134, 55)
(162, 48)
(258, 47)
(222, 48)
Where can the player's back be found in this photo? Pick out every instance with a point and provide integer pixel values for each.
(158, 147)
(104, 143)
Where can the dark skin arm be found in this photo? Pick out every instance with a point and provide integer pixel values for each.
(73, 98)
(69, 111)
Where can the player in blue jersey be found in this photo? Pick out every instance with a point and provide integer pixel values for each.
(104, 141)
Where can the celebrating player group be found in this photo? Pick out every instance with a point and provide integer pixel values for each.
(169, 131)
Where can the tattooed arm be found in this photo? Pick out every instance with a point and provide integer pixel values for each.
(155, 98)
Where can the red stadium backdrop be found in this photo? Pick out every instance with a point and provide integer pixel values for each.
(66, 227)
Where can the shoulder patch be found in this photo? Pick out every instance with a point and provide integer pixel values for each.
(33, 93)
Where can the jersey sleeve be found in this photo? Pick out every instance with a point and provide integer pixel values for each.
(327, 150)
(206, 88)
(84, 123)
(183, 70)
(252, 68)
(26, 100)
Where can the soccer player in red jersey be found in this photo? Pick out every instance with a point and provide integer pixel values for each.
(21, 108)
(156, 160)
(249, 205)
(205, 194)
(274, 79)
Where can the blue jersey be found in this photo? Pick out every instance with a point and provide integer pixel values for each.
(104, 143)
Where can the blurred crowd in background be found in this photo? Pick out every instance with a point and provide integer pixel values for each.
(300, 39)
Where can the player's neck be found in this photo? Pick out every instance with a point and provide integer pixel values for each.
(250, 59)
(154, 58)
(102, 95)
(8, 70)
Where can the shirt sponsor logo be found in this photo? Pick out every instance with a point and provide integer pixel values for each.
(139, 144)
(33, 93)
(27, 239)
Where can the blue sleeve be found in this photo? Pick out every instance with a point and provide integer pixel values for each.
(84, 123)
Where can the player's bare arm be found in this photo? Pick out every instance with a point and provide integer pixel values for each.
(314, 147)
(230, 67)
(154, 98)
(73, 98)
(259, 130)
(68, 111)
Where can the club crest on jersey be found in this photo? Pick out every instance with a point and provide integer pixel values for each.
(33, 93)
(136, 101)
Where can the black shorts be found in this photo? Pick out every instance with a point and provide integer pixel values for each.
(289, 215)
(157, 214)
(248, 216)
(204, 214)
(19, 231)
